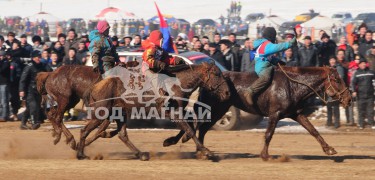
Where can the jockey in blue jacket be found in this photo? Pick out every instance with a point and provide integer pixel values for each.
(264, 61)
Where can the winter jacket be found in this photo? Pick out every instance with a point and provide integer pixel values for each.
(362, 83)
(326, 50)
(349, 52)
(81, 54)
(247, 61)
(28, 81)
(364, 47)
(264, 53)
(371, 59)
(72, 43)
(308, 57)
(218, 57)
(4, 71)
(231, 62)
(73, 61)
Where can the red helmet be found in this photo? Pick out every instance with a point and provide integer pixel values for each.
(156, 38)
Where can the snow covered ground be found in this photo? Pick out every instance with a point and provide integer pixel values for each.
(191, 10)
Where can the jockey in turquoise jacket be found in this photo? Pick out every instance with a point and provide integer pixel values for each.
(264, 61)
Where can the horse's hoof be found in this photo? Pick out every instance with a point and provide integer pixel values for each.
(57, 139)
(144, 156)
(205, 154)
(73, 144)
(265, 157)
(83, 157)
(169, 141)
(201, 156)
(330, 151)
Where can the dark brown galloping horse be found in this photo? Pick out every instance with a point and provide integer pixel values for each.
(284, 98)
(106, 94)
(65, 87)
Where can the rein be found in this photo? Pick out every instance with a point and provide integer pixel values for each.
(320, 97)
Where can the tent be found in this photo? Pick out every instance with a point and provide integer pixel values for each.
(320, 23)
(111, 14)
(43, 16)
(269, 21)
(167, 17)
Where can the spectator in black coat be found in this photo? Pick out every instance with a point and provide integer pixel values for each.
(4, 90)
(308, 54)
(216, 54)
(289, 59)
(326, 49)
(248, 54)
(363, 88)
(231, 62)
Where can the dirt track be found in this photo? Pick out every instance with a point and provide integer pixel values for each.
(31, 155)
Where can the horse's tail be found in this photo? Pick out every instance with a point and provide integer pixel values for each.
(41, 79)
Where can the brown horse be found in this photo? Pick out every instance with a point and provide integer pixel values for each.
(284, 98)
(108, 93)
(65, 87)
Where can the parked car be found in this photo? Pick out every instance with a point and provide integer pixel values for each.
(306, 16)
(344, 17)
(368, 18)
(205, 22)
(252, 17)
(287, 27)
(233, 118)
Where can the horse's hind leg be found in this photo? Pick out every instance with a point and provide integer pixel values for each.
(123, 135)
(100, 133)
(69, 137)
(272, 122)
(301, 119)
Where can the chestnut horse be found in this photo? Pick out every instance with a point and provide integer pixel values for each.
(284, 98)
(109, 92)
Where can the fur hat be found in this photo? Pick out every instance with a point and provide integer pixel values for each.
(269, 33)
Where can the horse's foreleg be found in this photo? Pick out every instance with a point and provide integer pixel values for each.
(123, 135)
(92, 124)
(69, 137)
(301, 119)
(272, 123)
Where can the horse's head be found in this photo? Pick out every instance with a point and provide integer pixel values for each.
(336, 88)
(214, 81)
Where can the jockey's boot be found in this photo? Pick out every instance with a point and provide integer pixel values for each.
(258, 85)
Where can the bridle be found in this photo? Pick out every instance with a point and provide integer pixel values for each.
(336, 92)
(324, 99)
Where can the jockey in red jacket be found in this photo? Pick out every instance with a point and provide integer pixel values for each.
(157, 58)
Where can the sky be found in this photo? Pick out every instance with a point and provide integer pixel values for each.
(191, 10)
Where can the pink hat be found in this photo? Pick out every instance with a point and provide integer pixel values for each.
(298, 26)
(102, 26)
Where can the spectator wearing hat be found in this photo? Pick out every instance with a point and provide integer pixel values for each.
(4, 89)
(308, 54)
(300, 37)
(216, 54)
(355, 47)
(181, 43)
(71, 41)
(366, 44)
(128, 40)
(61, 38)
(371, 58)
(37, 43)
(114, 41)
(363, 88)
(327, 49)
(27, 89)
(11, 37)
(25, 45)
(231, 62)
(349, 52)
(288, 38)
